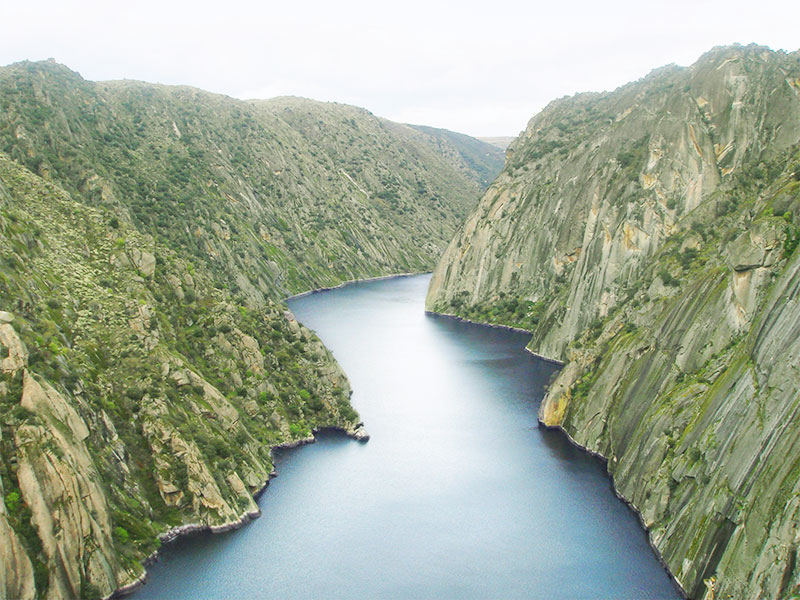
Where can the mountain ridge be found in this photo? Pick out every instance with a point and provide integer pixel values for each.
(148, 236)
(647, 237)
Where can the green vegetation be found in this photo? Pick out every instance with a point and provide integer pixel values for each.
(506, 310)
(236, 185)
(147, 237)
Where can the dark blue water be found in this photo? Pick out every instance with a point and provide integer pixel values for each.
(457, 495)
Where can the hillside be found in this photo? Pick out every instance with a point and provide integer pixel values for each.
(147, 237)
(501, 142)
(647, 237)
(286, 181)
(480, 156)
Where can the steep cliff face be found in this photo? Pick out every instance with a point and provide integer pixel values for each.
(597, 183)
(691, 391)
(664, 273)
(147, 236)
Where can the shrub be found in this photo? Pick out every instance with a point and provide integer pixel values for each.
(298, 429)
(792, 239)
(699, 229)
(687, 256)
(121, 535)
(668, 279)
(12, 502)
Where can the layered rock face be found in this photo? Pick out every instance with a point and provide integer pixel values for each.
(147, 237)
(597, 183)
(648, 238)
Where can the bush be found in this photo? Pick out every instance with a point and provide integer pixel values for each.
(699, 229)
(121, 535)
(792, 239)
(298, 429)
(12, 502)
(667, 278)
(687, 256)
(135, 393)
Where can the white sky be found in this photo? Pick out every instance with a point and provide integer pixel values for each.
(482, 68)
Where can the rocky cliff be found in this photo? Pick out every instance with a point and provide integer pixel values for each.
(647, 238)
(147, 236)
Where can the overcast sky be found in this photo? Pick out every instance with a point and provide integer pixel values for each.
(482, 68)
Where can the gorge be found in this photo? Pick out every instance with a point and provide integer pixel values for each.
(148, 235)
(457, 493)
(645, 237)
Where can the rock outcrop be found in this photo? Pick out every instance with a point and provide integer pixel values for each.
(647, 237)
(16, 576)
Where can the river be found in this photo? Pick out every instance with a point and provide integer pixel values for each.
(457, 495)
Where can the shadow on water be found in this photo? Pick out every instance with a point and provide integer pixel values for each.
(565, 451)
(324, 437)
(457, 494)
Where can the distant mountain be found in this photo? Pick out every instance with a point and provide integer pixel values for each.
(648, 238)
(478, 156)
(147, 237)
(499, 142)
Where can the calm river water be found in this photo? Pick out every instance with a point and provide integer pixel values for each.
(457, 495)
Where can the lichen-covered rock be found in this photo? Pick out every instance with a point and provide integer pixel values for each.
(648, 238)
(16, 355)
(61, 485)
(598, 182)
(16, 570)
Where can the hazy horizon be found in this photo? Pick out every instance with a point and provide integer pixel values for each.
(472, 70)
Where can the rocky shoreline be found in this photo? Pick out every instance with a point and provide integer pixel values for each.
(349, 281)
(466, 320)
(628, 503)
(554, 361)
(357, 433)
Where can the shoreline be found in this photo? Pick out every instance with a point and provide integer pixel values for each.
(349, 281)
(604, 459)
(554, 361)
(357, 433)
(628, 503)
